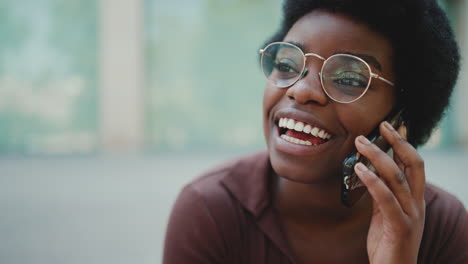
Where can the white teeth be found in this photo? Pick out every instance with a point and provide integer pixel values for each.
(321, 133)
(303, 127)
(314, 131)
(299, 126)
(296, 141)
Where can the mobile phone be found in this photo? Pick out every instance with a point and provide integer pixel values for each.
(352, 189)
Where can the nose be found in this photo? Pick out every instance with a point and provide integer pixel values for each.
(308, 89)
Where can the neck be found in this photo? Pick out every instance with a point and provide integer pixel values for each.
(316, 202)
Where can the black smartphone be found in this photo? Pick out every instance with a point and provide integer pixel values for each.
(352, 188)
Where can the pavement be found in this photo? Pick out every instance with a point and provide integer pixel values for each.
(114, 209)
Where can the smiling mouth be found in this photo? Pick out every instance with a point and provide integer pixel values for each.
(301, 133)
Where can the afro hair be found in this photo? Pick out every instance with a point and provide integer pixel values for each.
(426, 55)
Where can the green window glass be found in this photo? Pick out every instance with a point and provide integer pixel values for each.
(48, 76)
(204, 81)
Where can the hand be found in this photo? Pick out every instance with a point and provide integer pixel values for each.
(397, 222)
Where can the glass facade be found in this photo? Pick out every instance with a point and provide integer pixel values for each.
(48, 76)
(203, 88)
(204, 82)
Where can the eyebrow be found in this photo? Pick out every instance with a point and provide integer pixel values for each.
(299, 45)
(367, 58)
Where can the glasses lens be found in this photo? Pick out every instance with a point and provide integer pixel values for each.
(282, 63)
(345, 78)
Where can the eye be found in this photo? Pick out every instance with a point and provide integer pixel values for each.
(350, 79)
(285, 65)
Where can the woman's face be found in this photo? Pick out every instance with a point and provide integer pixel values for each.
(326, 34)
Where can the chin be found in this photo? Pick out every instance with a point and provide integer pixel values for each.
(302, 171)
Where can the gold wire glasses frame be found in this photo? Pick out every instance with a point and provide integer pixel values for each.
(304, 70)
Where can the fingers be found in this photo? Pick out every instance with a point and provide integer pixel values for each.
(385, 166)
(408, 158)
(382, 195)
(403, 178)
(402, 131)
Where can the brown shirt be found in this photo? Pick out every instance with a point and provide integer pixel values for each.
(226, 216)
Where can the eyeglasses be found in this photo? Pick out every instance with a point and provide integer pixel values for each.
(345, 78)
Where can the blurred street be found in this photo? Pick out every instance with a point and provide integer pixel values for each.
(113, 209)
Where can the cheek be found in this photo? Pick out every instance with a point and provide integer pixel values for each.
(370, 110)
(358, 120)
(271, 98)
(360, 123)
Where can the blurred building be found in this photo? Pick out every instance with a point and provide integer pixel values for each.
(116, 76)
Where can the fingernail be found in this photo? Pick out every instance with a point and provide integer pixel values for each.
(360, 167)
(363, 140)
(388, 126)
(404, 132)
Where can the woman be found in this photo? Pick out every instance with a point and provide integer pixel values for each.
(335, 71)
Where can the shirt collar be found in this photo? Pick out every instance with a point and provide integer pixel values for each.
(249, 182)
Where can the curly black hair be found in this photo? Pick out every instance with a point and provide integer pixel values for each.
(426, 54)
